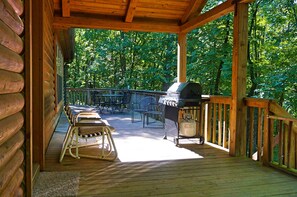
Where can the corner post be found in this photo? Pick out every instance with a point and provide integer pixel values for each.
(28, 96)
(182, 57)
(239, 70)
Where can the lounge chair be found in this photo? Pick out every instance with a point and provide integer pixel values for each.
(87, 124)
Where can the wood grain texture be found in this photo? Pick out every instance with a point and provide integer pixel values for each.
(13, 188)
(195, 7)
(11, 104)
(17, 6)
(66, 8)
(10, 126)
(131, 11)
(211, 15)
(11, 99)
(9, 148)
(10, 17)
(115, 24)
(11, 82)
(10, 60)
(8, 171)
(10, 39)
(239, 70)
(182, 58)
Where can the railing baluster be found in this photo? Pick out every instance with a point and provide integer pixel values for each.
(266, 136)
(286, 144)
(259, 149)
(280, 144)
(225, 144)
(214, 123)
(220, 125)
(271, 139)
(291, 144)
(251, 132)
(209, 125)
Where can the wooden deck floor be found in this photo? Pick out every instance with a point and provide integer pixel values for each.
(151, 166)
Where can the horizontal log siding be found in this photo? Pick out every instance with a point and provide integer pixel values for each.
(10, 60)
(50, 115)
(11, 99)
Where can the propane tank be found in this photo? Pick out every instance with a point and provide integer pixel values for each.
(187, 126)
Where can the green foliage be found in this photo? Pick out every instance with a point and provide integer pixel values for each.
(148, 60)
(120, 60)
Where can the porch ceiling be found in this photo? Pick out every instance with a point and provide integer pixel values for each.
(171, 16)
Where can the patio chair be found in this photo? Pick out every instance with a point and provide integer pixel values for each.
(141, 107)
(86, 125)
(125, 101)
(156, 112)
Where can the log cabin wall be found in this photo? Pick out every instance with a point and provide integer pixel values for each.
(49, 73)
(11, 98)
(45, 113)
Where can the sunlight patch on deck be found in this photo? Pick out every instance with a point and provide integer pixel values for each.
(137, 148)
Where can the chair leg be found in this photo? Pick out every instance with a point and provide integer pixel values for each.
(143, 121)
(66, 142)
(132, 113)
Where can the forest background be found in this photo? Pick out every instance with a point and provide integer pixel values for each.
(148, 61)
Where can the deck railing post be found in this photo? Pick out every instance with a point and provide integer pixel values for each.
(239, 64)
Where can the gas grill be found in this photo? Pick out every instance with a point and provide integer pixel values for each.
(182, 105)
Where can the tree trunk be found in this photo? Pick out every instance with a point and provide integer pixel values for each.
(252, 28)
(218, 77)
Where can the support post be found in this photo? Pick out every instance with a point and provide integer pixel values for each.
(28, 97)
(182, 57)
(239, 64)
(38, 80)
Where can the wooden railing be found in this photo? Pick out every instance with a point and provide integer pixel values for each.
(257, 128)
(87, 96)
(282, 146)
(215, 120)
(271, 132)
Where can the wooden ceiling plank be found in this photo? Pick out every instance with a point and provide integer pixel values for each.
(66, 8)
(115, 24)
(195, 6)
(131, 11)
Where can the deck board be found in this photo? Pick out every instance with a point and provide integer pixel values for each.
(213, 173)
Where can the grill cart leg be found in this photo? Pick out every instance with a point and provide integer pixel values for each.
(176, 141)
(201, 140)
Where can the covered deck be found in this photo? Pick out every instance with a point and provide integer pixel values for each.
(148, 165)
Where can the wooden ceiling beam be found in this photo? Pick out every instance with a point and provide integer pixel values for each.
(66, 8)
(195, 7)
(247, 1)
(131, 11)
(116, 24)
(211, 15)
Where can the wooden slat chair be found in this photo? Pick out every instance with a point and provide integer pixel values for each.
(87, 124)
